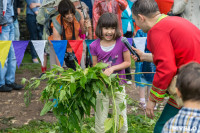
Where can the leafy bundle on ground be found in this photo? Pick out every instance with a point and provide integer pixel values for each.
(74, 94)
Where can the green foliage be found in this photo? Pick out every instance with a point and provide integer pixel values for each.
(141, 123)
(34, 127)
(75, 92)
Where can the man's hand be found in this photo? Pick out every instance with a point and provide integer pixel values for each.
(140, 54)
(150, 109)
(108, 71)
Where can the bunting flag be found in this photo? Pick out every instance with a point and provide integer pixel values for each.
(4, 49)
(88, 42)
(19, 47)
(60, 49)
(140, 43)
(130, 40)
(39, 46)
(77, 46)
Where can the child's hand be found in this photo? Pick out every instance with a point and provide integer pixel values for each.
(108, 71)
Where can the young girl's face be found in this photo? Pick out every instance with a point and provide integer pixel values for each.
(108, 33)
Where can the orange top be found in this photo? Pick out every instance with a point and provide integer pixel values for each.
(68, 31)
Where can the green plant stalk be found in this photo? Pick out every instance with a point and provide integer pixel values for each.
(114, 112)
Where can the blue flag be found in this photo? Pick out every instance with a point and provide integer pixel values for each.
(60, 49)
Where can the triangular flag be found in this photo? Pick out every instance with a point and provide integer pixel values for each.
(88, 42)
(39, 46)
(130, 40)
(4, 49)
(140, 43)
(60, 49)
(77, 46)
(19, 47)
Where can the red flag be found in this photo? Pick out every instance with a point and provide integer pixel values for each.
(77, 46)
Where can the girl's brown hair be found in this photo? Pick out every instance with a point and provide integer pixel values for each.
(108, 20)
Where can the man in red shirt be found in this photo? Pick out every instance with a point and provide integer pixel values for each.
(173, 42)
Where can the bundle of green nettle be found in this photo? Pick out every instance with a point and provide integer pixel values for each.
(74, 94)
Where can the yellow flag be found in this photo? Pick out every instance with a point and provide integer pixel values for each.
(4, 49)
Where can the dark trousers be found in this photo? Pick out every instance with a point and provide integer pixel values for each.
(35, 31)
(128, 70)
(168, 112)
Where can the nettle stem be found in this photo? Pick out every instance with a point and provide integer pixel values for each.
(114, 112)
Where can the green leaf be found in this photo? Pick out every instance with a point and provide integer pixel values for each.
(83, 81)
(122, 106)
(105, 78)
(72, 79)
(47, 107)
(108, 124)
(62, 95)
(83, 106)
(23, 81)
(72, 88)
(121, 122)
(101, 65)
(78, 114)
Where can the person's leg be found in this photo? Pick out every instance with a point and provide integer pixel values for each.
(16, 29)
(4, 36)
(120, 98)
(168, 112)
(101, 114)
(129, 77)
(32, 28)
(142, 102)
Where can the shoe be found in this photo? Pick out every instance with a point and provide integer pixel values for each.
(35, 60)
(41, 75)
(142, 105)
(15, 86)
(129, 82)
(5, 88)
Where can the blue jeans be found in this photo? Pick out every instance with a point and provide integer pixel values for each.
(7, 74)
(35, 31)
(16, 33)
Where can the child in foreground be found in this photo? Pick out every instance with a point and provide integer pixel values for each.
(188, 88)
(111, 50)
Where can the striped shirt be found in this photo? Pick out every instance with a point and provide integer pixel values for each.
(186, 121)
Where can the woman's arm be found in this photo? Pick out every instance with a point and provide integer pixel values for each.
(125, 64)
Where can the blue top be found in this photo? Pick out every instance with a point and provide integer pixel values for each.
(126, 18)
(9, 12)
(32, 11)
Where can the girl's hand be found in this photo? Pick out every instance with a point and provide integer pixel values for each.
(109, 71)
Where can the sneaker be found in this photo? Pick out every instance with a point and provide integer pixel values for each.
(35, 60)
(41, 75)
(129, 82)
(15, 86)
(5, 88)
(142, 105)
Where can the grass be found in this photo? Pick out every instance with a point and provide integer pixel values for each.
(137, 123)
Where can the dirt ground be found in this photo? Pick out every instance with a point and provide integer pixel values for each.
(14, 113)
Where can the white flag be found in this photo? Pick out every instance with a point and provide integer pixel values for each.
(39, 46)
(140, 43)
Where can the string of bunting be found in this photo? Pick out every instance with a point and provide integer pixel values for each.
(39, 45)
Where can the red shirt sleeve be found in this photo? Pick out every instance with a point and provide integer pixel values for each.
(159, 43)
